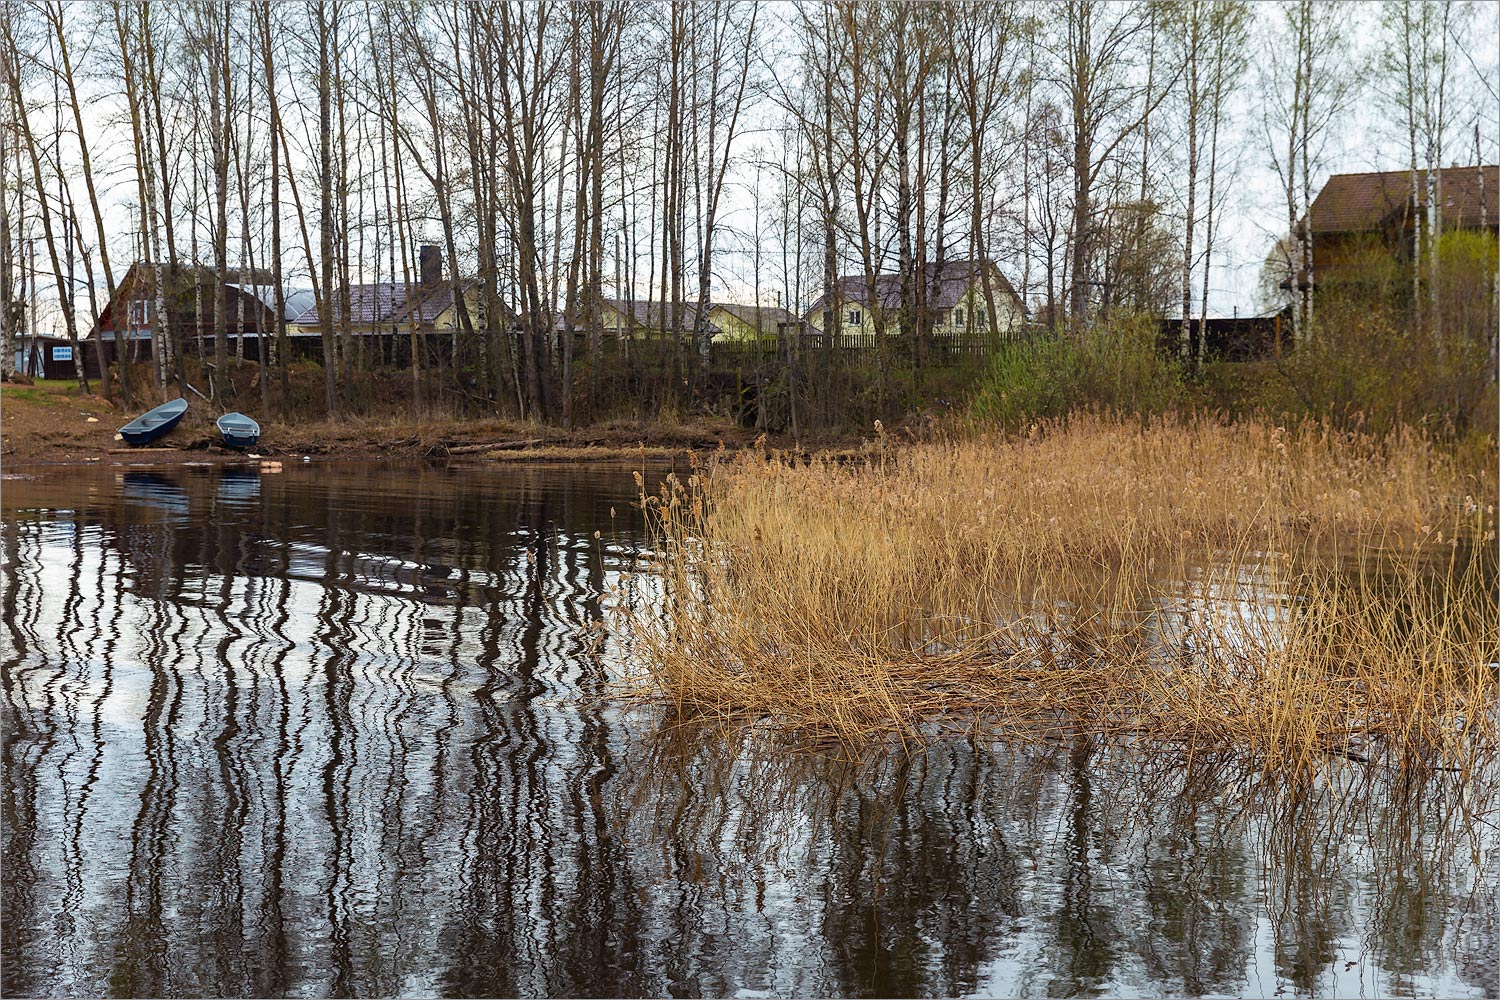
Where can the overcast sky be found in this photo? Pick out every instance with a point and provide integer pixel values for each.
(1367, 137)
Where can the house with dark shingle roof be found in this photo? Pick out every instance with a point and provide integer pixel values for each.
(392, 307)
(955, 299)
(1354, 211)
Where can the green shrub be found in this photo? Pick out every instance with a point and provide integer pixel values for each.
(1114, 365)
(1373, 373)
(1375, 361)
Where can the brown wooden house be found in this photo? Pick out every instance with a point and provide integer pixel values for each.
(1355, 212)
(129, 323)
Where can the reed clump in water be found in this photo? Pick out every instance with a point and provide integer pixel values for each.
(1291, 593)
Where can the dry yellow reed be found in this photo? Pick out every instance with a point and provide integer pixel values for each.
(1293, 593)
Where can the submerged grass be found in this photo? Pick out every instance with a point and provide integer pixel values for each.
(1288, 593)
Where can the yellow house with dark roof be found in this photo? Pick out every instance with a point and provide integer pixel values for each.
(955, 300)
(739, 323)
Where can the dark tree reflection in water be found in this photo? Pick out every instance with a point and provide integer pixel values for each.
(344, 730)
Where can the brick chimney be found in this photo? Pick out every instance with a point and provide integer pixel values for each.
(429, 265)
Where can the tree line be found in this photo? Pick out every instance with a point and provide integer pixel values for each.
(676, 154)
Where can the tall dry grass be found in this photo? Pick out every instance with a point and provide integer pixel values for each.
(1292, 593)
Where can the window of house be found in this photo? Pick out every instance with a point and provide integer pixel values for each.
(958, 316)
(855, 317)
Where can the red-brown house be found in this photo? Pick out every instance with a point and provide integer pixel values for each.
(1355, 211)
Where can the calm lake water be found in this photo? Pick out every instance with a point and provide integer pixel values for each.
(342, 731)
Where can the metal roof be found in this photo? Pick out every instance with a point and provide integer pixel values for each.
(386, 302)
(297, 300)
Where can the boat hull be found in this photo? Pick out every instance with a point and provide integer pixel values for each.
(238, 431)
(153, 424)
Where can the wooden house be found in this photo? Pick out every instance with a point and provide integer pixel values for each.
(129, 323)
(955, 303)
(1355, 213)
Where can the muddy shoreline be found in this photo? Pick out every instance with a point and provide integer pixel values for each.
(45, 427)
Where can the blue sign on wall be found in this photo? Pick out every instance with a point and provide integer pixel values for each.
(62, 354)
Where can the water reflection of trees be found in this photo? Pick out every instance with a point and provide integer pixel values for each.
(324, 734)
(1077, 872)
(309, 674)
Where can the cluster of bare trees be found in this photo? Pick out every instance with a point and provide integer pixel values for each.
(1427, 100)
(668, 155)
(1424, 85)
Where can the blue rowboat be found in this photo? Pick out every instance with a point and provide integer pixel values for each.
(154, 423)
(238, 430)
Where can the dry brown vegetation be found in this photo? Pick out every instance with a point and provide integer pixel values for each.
(1294, 593)
(49, 422)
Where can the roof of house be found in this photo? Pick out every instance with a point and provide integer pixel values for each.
(296, 300)
(1357, 203)
(948, 281)
(655, 315)
(382, 302)
(761, 317)
(432, 305)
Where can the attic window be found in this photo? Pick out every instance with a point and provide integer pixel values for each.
(855, 317)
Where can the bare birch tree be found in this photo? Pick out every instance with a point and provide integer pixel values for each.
(1095, 51)
(1306, 80)
(1212, 35)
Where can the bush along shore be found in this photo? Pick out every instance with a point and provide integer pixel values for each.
(1292, 594)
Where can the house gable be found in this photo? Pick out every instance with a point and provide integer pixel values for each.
(956, 289)
(132, 310)
(640, 318)
(740, 322)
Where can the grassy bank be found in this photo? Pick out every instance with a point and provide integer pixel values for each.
(1291, 593)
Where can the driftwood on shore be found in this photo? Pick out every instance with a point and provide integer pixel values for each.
(469, 449)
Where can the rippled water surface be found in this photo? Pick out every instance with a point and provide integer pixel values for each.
(343, 730)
